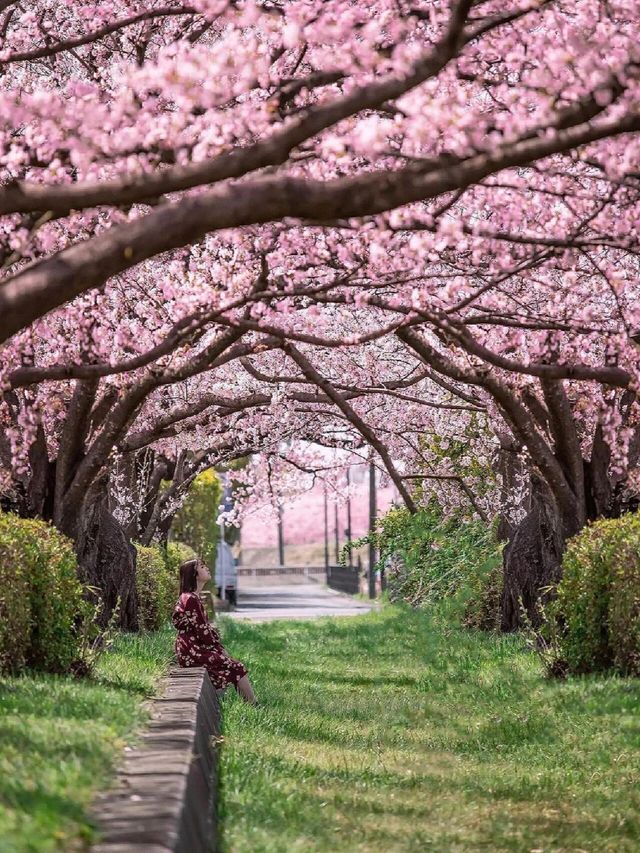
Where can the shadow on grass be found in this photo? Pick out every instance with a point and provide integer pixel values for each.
(496, 754)
(34, 798)
(126, 685)
(375, 811)
(60, 738)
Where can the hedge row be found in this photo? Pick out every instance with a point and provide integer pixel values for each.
(598, 602)
(195, 523)
(42, 605)
(40, 596)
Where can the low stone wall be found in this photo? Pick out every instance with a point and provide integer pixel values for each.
(165, 795)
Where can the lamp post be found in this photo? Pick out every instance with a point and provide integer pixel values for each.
(372, 525)
(227, 506)
(223, 594)
(280, 536)
(348, 530)
(326, 528)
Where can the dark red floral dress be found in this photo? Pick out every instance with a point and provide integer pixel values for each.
(198, 643)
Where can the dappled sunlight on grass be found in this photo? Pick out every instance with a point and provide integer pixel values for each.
(60, 737)
(397, 731)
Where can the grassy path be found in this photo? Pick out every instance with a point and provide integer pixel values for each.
(59, 739)
(396, 732)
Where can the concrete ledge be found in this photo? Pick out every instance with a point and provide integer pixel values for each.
(165, 794)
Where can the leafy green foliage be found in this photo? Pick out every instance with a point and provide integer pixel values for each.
(15, 604)
(157, 585)
(483, 593)
(598, 600)
(177, 553)
(428, 556)
(40, 596)
(455, 452)
(545, 639)
(94, 638)
(195, 522)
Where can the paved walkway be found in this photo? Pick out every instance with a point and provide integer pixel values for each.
(293, 601)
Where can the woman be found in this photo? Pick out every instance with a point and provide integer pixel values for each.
(198, 642)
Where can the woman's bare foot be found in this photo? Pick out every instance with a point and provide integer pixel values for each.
(245, 690)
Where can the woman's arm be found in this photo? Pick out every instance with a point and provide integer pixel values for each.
(206, 635)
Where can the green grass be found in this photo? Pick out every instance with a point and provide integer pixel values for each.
(396, 732)
(60, 738)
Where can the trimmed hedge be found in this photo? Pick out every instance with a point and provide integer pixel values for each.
(40, 596)
(598, 603)
(157, 585)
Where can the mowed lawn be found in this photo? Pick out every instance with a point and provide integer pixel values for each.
(60, 739)
(396, 731)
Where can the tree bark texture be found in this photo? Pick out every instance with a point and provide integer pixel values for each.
(106, 558)
(532, 558)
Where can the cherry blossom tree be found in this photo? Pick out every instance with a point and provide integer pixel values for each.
(126, 405)
(541, 350)
(129, 132)
(396, 226)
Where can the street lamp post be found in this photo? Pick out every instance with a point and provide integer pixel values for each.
(223, 568)
(227, 506)
(280, 536)
(372, 525)
(326, 528)
(348, 530)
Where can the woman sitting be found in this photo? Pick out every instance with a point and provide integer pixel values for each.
(198, 642)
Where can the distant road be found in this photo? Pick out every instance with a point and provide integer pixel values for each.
(260, 602)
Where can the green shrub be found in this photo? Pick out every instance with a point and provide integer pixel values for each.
(40, 596)
(157, 587)
(428, 556)
(195, 522)
(168, 589)
(483, 594)
(598, 601)
(15, 604)
(176, 554)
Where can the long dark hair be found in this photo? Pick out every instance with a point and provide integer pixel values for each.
(189, 576)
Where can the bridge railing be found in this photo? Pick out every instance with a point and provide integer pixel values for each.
(341, 578)
(261, 571)
(344, 578)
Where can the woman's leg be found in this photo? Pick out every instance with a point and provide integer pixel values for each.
(245, 690)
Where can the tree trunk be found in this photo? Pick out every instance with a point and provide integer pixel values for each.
(106, 558)
(164, 528)
(533, 557)
(512, 475)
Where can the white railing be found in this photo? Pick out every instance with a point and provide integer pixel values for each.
(258, 571)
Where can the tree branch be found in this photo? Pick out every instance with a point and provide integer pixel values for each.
(513, 411)
(90, 263)
(107, 29)
(352, 416)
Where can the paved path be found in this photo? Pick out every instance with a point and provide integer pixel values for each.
(293, 601)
